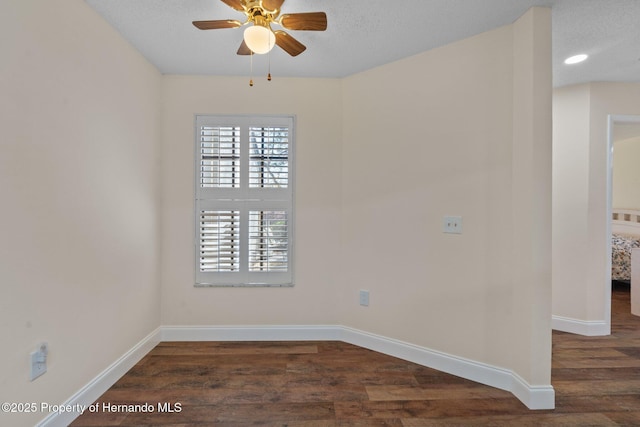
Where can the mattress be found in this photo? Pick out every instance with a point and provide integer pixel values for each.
(621, 256)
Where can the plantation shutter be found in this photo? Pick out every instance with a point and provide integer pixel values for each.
(244, 201)
(268, 241)
(219, 241)
(219, 157)
(269, 157)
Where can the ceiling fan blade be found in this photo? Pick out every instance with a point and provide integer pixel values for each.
(236, 4)
(244, 49)
(217, 24)
(290, 45)
(314, 21)
(272, 4)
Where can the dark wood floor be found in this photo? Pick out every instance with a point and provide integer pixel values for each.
(597, 383)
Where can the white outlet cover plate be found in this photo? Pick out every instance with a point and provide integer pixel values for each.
(452, 224)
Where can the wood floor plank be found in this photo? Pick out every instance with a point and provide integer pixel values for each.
(216, 380)
(183, 348)
(209, 365)
(355, 377)
(604, 362)
(597, 387)
(570, 354)
(273, 412)
(451, 391)
(428, 408)
(625, 418)
(566, 420)
(597, 404)
(587, 374)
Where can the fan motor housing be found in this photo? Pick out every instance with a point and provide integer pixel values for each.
(256, 9)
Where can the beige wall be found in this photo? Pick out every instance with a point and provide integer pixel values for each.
(580, 240)
(451, 132)
(79, 154)
(531, 190)
(316, 105)
(422, 145)
(570, 199)
(626, 173)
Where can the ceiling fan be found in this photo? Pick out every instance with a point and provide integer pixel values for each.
(260, 38)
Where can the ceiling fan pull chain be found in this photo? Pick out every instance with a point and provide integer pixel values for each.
(251, 77)
(269, 72)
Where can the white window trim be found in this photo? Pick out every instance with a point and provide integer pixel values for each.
(278, 199)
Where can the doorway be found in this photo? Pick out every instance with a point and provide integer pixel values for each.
(619, 128)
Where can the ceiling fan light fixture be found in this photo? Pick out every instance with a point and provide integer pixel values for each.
(259, 39)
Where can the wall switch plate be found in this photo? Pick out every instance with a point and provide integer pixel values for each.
(38, 360)
(364, 298)
(452, 224)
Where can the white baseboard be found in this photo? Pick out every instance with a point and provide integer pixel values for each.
(589, 328)
(96, 387)
(534, 397)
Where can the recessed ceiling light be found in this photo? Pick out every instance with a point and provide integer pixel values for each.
(576, 59)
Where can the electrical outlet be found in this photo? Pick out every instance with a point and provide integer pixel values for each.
(364, 298)
(38, 360)
(452, 224)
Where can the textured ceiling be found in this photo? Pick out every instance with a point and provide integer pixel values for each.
(362, 34)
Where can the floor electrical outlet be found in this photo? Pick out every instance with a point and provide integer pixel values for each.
(39, 361)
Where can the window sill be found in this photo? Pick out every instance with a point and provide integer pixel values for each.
(244, 285)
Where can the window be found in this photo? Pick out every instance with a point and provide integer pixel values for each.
(244, 201)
